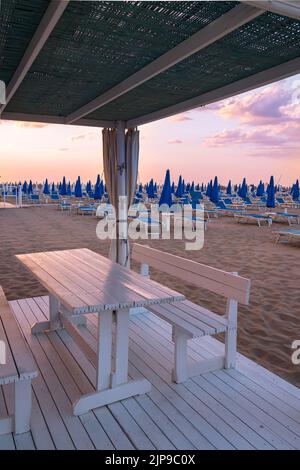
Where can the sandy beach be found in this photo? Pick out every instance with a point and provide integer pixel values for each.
(267, 326)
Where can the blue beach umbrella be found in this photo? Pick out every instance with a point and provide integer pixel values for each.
(179, 190)
(173, 188)
(30, 188)
(244, 189)
(25, 187)
(150, 190)
(63, 187)
(271, 193)
(69, 190)
(166, 195)
(78, 190)
(214, 197)
(53, 189)
(296, 191)
(46, 189)
(228, 190)
(209, 189)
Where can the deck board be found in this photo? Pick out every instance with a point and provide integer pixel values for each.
(246, 408)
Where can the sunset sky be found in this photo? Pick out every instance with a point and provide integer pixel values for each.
(254, 135)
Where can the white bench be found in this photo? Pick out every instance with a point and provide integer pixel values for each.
(190, 320)
(19, 368)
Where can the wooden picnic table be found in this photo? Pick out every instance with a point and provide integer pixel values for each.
(80, 282)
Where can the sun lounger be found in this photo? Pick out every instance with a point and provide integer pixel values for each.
(65, 206)
(34, 198)
(285, 217)
(85, 210)
(259, 219)
(148, 225)
(289, 234)
(224, 210)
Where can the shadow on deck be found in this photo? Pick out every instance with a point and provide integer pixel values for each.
(246, 408)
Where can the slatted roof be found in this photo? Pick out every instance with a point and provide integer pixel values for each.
(95, 62)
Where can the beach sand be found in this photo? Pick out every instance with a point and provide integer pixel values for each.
(266, 328)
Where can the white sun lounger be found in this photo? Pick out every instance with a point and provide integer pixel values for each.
(257, 218)
(289, 234)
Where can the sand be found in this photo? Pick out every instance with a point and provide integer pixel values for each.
(266, 328)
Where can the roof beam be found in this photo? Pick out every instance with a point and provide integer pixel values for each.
(54, 120)
(290, 9)
(44, 29)
(257, 80)
(217, 29)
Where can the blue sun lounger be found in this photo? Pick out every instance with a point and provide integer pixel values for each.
(257, 218)
(285, 217)
(223, 209)
(289, 234)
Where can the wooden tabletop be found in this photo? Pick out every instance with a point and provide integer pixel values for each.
(86, 282)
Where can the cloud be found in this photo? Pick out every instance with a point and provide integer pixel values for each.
(31, 125)
(272, 105)
(89, 135)
(175, 141)
(180, 118)
(287, 135)
(63, 149)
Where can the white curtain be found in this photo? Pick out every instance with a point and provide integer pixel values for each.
(119, 249)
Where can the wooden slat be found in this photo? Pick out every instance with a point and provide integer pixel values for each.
(8, 371)
(209, 278)
(22, 357)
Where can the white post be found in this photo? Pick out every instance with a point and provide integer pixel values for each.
(121, 210)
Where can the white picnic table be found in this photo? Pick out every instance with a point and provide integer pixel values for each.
(81, 282)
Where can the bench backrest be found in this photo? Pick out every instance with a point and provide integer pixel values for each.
(215, 280)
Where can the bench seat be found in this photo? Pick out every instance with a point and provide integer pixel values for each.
(18, 368)
(189, 320)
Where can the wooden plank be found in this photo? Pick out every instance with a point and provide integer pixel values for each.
(209, 278)
(116, 271)
(125, 278)
(8, 371)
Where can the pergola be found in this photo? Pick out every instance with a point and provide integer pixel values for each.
(123, 64)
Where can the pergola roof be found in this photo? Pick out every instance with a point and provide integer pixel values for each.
(95, 62)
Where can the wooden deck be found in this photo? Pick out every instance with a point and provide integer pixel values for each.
(246, 408)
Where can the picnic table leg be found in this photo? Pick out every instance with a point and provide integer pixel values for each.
(54, 322)
(120, 374)
(104, 349)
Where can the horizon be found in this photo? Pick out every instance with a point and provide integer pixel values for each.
(254, 135)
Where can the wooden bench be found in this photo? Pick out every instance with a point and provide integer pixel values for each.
(18, 368)
(190, 320)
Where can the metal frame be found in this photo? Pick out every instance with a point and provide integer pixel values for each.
(218, 28)
(257, 80)
(54, 120)
(45, 28)
(290, 9)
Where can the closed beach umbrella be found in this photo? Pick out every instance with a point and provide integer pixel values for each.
(209, 189)
(173, 188)
(150, 190)
(69, 190)
(244, 189)
(179, 190)
(271, 193)
(53, 189)
(30, 188)
(98, 192)
(166, 195)
(63, 187)
(25, 187)
(296, 191)
(78, 190)
(215, 192)
(228, 191)
(46, 187)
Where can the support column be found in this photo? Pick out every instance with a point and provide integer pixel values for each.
(121, 208)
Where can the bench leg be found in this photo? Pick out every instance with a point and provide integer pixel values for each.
(23, 403)
(54, 307)
(180, 371)
(231, 335)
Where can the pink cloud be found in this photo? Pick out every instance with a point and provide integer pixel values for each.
(272, 105)
(175, 141)
(180, 118)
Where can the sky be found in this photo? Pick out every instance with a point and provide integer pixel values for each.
(255, 134)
